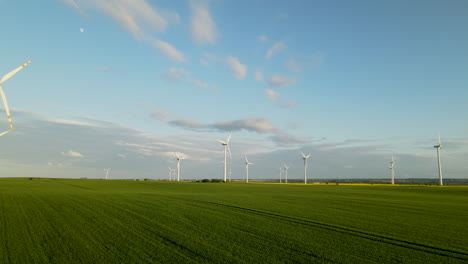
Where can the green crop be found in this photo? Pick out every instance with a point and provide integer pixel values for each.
(97, 221)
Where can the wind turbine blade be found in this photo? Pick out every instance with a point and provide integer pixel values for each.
(246, 160)
(307, 156)
(229, 150)
(303, 154)
(440, 142)
(177, 155)
(229, 138)
(13, 72)
(7, 111)
(222, 142)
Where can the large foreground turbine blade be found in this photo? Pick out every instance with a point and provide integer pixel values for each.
(5, 103)
(222, 142)
(229, 138)
(303, 154)
(13, 72)
(7, 110)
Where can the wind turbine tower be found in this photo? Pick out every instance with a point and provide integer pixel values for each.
(5, 103)
(305, 166)
(226, 148)
(247, 163)
(281, 173)
(286, 167)
(438, 147)
(179, 158)
(392, 170)
(107, 172)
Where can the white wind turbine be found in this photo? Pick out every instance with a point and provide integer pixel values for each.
(281, 173)
(226, 148)
(179, 158)
(286, 167)
(305, 166)
(171, 172)
(107, 172)
(392, 170)
(247, 163)
(5, 103)
(438, 147)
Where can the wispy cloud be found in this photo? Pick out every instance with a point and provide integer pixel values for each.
(176, 75)
(159, 114)
(281, 81)
(258, 75)
(203, 27)
(72, 154)
(136, 16)
(259, 125)
(275, 49)
(168, 50)
(280, 100)
(272, 95)
(284, 140)
(239, 70)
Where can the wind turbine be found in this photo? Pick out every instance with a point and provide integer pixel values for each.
(247, 163)
(286, 167)
(170, 173)
(107, 172)
(438, 147)
(179, 158)
(226, 148)
(392, 170)
(5, 103)
(305, 166)
(281, 173)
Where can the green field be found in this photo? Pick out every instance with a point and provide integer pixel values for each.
(96, 221)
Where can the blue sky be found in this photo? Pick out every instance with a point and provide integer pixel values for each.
(124, 84)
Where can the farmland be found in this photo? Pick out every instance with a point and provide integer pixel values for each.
(97, 221)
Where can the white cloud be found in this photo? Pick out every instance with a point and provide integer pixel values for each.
(280, 100)
(239, 70)
(200, 84)
(203, 27)
(272, 95)
(262, 38)
(121, 156)
(168, 50)
(259, 125)
(281, 81)
(136, 16)
(72, 154)
(275, 49)
(159, 114)
(258, 75)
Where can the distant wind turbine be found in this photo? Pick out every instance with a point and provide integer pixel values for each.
(439, 147)
(286, 167)
(179, 158)
(171, 172)
(5, 103)
(226, 148)
(107, 172)
(247, 163)
(305, 166)
(392, 170)
(281, 173)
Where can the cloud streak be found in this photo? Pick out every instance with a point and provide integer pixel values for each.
(202, 27)
(275, 49)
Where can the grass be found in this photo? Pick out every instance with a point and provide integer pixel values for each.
(95, 221)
